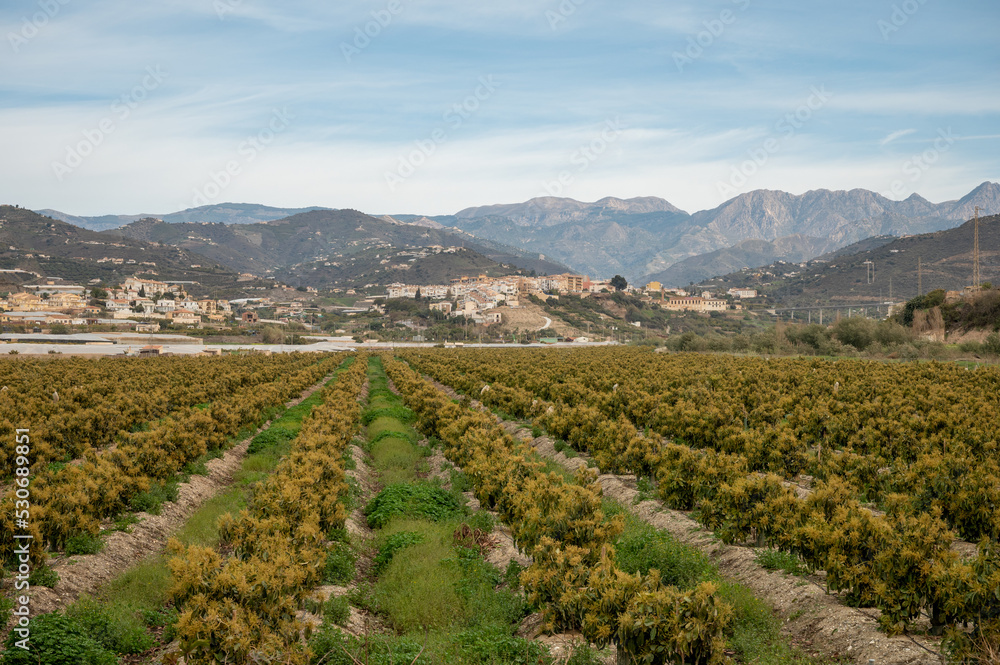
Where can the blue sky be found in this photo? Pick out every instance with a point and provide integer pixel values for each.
(430, 106)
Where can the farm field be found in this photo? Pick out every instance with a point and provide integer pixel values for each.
(878, 478)
(608, 505)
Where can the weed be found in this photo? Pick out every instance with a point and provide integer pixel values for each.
(271, 438)
(337, 610)
(459, 481)
(392, 544)
(642, 548)
(152, 499)
(43, 576)
(778, 560)
(411, 500)
(584, 654)
(83, 543)
(399, 413)
(125, 521)
(56, 639)
(646, 491)
(161, 618)
(512, 575)
(113, 626)
(340, 562)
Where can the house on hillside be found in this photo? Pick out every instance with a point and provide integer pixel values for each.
(184, 317)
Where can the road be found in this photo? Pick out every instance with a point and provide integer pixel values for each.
(548, 322)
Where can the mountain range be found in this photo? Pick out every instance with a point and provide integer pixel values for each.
(648, 239)
(644, 239)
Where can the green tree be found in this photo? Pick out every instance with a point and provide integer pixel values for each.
(619, 282)
(272, 335)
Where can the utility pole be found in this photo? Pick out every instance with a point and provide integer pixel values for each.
(920, 276)
(976, 277)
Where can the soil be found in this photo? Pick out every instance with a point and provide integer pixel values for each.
(86, 574)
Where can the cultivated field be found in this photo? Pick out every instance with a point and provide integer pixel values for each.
(499, 506)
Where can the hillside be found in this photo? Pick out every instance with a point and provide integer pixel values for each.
(749, 253)
(381, 265)
(49, 247)
(297, 244)
(945, 256)
(222, 213)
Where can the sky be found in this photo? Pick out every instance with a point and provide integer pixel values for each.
(431, 106)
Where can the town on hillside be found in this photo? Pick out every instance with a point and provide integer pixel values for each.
(476, 298)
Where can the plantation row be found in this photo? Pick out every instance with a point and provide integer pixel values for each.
(238, 602)
(74, 405)
(901, 563)
(573, 577)
(69, 501)
(884, 429)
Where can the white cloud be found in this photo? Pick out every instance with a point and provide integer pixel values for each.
(896, 135)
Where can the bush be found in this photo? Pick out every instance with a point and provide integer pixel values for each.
(992, 344)
(412, 500)
(57, 640)
(858, 332)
